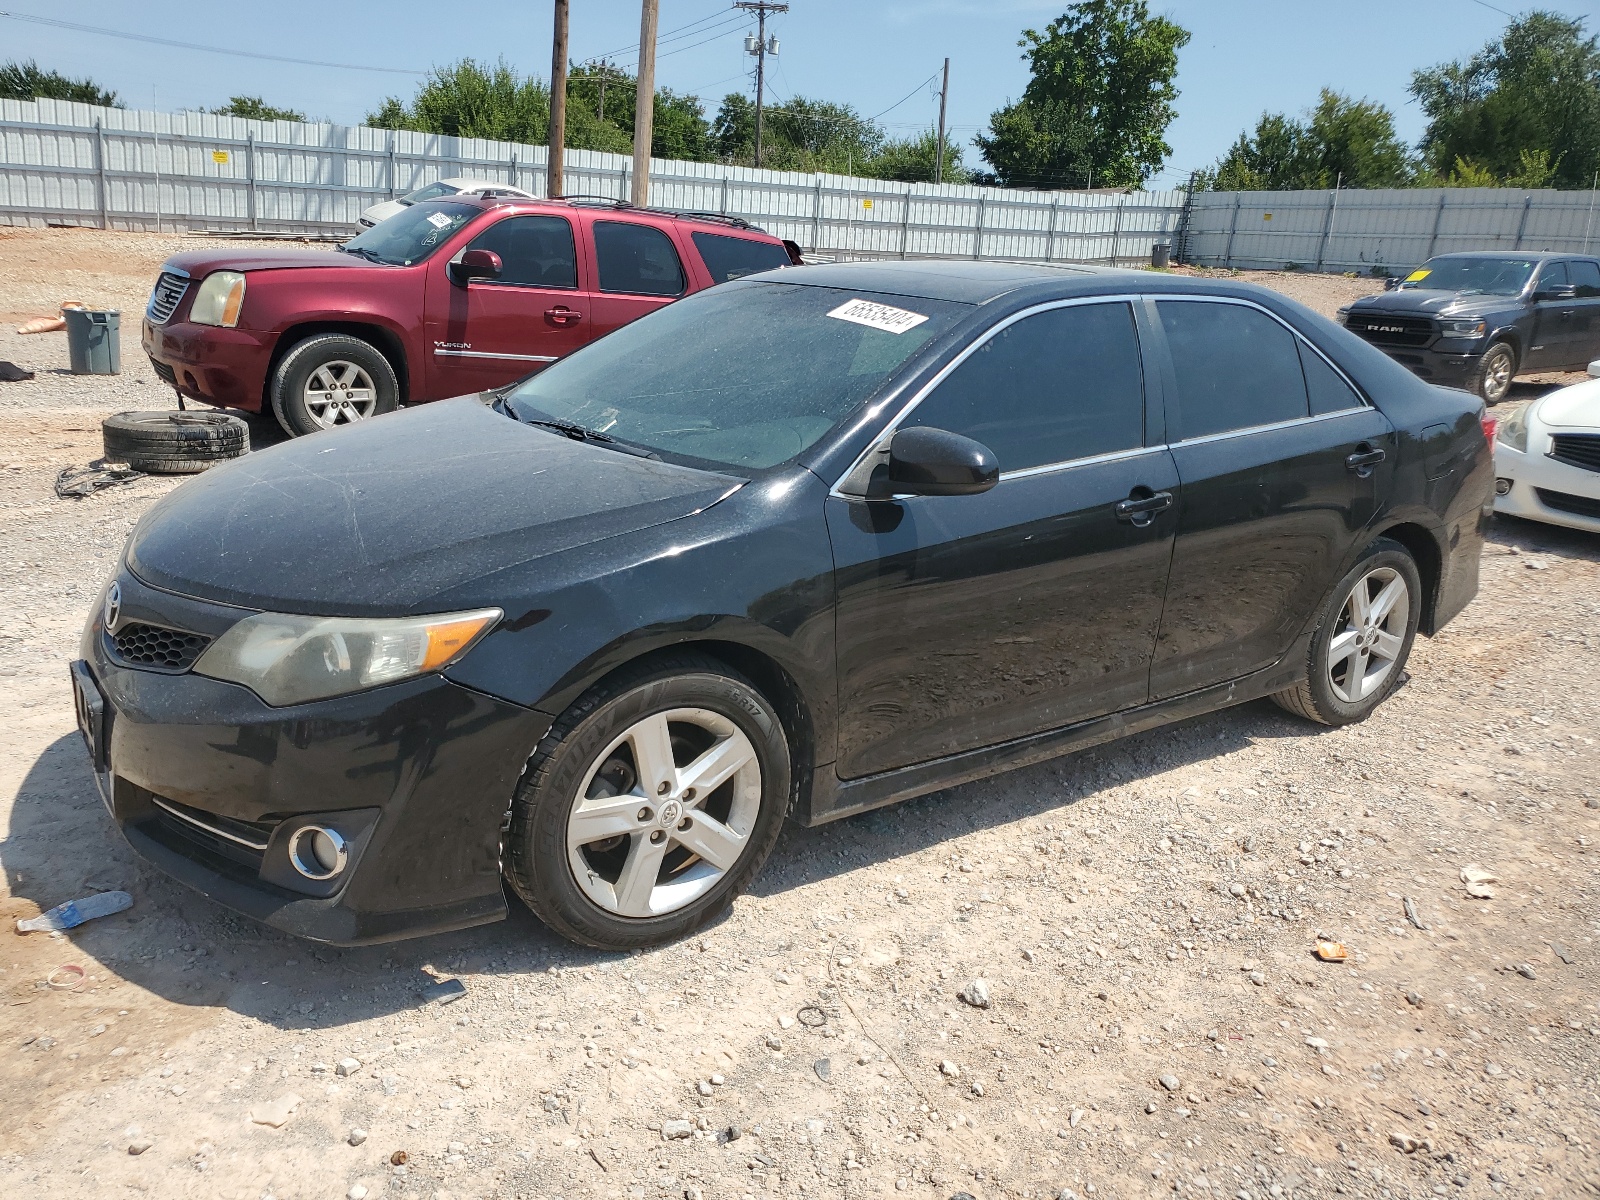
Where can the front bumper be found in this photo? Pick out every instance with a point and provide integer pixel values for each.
(224, 367)
(1444, 367)
(1542, 489)
(209, 784)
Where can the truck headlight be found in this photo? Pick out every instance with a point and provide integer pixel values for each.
(1343, 315)
(288, 659)
(1513, 430)
(218, 299)
(1467, 327)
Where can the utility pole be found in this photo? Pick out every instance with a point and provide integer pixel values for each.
(555, 168)
(944, 90)
(644, 101)
(605, 74)
(761, 47)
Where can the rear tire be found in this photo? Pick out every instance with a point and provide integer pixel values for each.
(1492, 377)
(1364, 635)
(329, 380)
(174, 442)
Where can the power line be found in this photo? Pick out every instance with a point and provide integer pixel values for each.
(156, 41)
(906, 97)
(682, 31)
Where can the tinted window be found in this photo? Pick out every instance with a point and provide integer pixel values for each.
(410, 236)
(1059, 385)
(1493, 276)
(432, 192)
(1328, 390)
(1235, 367)
(1586, 275)
(534, 251)
(636, 258)
(745, 375)
(730, 257)
(1551, 275)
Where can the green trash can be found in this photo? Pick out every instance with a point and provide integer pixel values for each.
(94, 340)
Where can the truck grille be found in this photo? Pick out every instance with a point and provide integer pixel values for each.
(1390, 331)
(165, 295)
(151, 646)
(1577, 450)
(1578, 506)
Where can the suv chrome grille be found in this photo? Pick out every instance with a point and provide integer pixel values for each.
(1577, 450)
(1390, 331)
(165, 295)
(140, 645)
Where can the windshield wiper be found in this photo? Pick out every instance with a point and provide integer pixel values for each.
(582, 433)
(363, 252)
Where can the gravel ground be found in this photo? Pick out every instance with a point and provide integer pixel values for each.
(1142, 916)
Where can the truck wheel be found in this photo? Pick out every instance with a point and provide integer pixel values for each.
(1496, 369)
(172, 442)
(332, 379)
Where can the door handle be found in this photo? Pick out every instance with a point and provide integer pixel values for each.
(561, 314)
(1364, 459)
(1141, 510)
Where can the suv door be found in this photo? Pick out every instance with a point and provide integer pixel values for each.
(1281, 463)
(1553, 311)
(637, 270)
(1585, 276)
(965, 621)
(488, 332)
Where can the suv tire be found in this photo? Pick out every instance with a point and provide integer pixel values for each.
(1497, 367)
(1357, 656)
(173, 442)
(611, 845)
(332, 379)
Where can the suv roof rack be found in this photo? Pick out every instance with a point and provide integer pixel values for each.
(686, 214)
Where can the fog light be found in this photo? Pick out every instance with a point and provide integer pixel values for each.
(1502, 486)
(318, 853)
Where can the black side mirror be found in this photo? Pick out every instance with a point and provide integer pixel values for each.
(936, 462)
(475, 264)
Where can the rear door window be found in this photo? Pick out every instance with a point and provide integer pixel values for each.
(1235, 367)
(1327, 388)
(1059, 385)
(637, 259)
(534, 251)
(730, 257)
(1586, 275)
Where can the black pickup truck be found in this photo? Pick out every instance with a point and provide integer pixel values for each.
(1476, 321)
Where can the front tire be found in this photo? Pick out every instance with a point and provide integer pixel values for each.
(1359, 650)
(649, 805)
(1495, 371)
(329, 380)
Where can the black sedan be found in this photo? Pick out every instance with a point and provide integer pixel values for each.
(810, 542)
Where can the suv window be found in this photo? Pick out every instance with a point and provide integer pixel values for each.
(1586, 274)
(534, 251)
(1235, 367)
(1327, 388)
(1062, 384)
(730, 257)
(637, 258)
(1552, 275)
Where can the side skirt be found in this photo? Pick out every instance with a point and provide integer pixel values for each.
(831, 798)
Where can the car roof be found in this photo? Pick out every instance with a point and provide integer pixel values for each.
(1537, 255)
(714, 222)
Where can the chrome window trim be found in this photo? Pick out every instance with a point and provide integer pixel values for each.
(1268, 428)
(1091, 461)
(211, 829)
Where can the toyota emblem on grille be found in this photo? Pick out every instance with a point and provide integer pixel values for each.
(113, 611)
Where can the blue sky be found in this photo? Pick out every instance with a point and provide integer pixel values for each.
(1246, 56)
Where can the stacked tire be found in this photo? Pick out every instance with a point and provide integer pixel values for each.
(174, 442)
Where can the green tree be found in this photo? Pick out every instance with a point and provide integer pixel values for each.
(1536, 90)
(1098, 103)
(911, 160)
(1341, 142)
(470, 99)
(800, 135)
(25, 81)
(256, 109)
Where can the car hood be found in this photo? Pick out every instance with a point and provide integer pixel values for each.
(378, 519)
(198, 263)
(1421, 302)
(1575, 407)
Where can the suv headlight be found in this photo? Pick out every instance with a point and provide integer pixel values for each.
(218, 299)
(1513, 430)
(1463, 327)
(287, 659)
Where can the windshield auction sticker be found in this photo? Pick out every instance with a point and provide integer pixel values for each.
(877, 316)
(438, 220)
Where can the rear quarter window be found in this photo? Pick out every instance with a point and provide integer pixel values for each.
(732, 257)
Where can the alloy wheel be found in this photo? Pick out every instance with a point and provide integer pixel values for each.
(338, 393)
(1370, 634)
(1497, 376)
(664, 812)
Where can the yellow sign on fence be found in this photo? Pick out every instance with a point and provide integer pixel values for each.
(219, 156)
(866, 204)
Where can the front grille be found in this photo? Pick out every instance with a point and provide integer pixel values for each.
(165, 295)
(1390, 331)
(139, 645)
(1577, 450)
(164, 372)
(1578, 506)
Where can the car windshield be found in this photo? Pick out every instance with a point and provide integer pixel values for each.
(1486, 276)
(746, 375)
(432, 192)
(410, 236)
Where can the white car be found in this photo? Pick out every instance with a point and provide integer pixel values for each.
(445, 187)
(1547, 458)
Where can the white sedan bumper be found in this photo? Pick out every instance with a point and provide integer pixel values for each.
(1544, 489)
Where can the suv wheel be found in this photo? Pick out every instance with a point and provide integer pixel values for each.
(1358, 653)
(649, 805)
(1496, 369)
(332, 379)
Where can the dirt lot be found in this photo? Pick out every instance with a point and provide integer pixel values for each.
(1143, 915)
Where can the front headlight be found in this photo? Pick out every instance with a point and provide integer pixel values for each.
(218, 299)
(1513, 430)
(1466, 327)
(287, 659)
(1343, 315)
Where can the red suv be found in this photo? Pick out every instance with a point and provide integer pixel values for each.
(448, 297)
